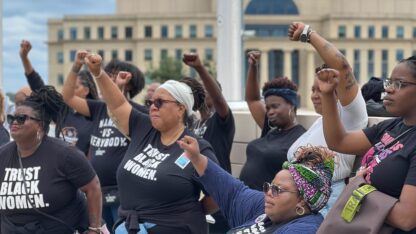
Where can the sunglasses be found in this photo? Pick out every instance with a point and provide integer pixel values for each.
(158, 102)
(20, 119)
(276, 190)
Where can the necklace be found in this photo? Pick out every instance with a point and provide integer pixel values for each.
(172, 139)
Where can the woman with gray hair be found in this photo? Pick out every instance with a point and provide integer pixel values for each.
(158, 192)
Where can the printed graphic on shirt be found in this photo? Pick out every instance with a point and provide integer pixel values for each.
(107, 138)
(378, 152)
(145, 164)
(70, 135)
(182, 161)
(253, 229)
(16, 193)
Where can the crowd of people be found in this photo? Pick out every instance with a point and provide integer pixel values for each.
(92, 160)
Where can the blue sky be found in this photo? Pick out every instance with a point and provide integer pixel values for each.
(27, 19)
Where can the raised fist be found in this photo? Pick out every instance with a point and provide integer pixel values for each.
(25, 48)
(191, 59)
(295, 30)
(93, 62)
(254, 57)
(328, 79)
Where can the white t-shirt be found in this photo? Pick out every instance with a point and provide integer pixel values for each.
(354, 117)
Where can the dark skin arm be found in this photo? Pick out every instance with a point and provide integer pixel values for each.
(253, 98)
(93, 192)
(220, 105)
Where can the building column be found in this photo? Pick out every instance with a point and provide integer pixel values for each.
(264, 67)
(377, 62)
(287, 63)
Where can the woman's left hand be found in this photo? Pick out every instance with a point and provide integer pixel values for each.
(191, 147)
(93, 62)
(328, 80)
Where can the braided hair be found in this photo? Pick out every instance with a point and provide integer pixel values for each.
(49, 105)
(198, 92)
(411, 63)
(87, 81)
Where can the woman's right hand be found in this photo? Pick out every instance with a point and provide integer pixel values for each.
(80, 57)
(254, 57)
(328, 79)
(93, 62)
(25, 48)
(190, 146)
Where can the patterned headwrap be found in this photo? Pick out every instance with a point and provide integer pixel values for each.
(313, 180)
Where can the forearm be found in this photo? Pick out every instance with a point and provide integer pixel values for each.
(332, 125)
(111, 94)
(68, 91)
(252, 85)
(200, 164)
(403, 213)
(94, 201)
(26, 65)
(214, 91)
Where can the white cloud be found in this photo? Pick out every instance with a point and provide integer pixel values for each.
(27, 19)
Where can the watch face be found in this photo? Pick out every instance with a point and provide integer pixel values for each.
(303, 38)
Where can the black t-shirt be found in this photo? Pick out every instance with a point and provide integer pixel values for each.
(154, 176)
(398, 163)
(139, 107)
(265, 156)
(53, 174)
(220, 134)
(77, 130)
(107, 146)
(4, 135)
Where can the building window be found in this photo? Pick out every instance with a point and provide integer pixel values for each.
(164, 31)
(148, 56)
(385, 31)
(178, 31)
(265, 30)
(295, 66)
(192, 31)
(371, 31)
(128, 32)
(148, 31)
(114, 32)
(128, 55)
(178, 54)
(342, 31)
(60, 57)
(72, 54)
(357, 31)
(209, 54)
(384, 63)
(100, 33)
(87, 33)
(101, 53)
(208, 31)
(370, 65)
(414, 33)
(400, 32)
(276, 63)
(357, 68)
(114, 54)
(399, 54)
(60, 79)
(163, 54)
(73, 33)
(60, 34)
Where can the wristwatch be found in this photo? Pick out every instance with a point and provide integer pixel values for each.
(304, 35)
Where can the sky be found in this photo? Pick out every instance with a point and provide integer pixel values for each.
(27, 19)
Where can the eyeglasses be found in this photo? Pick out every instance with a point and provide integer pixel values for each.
(20, 119)
(276, 190)
(396, 84)
(158, 102)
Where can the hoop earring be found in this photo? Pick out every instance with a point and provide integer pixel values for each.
(38, 135)
(301, 212)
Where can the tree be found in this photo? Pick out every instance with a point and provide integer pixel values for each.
(169, 69)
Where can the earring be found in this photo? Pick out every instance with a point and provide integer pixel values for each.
(38, 135)
(300, 210)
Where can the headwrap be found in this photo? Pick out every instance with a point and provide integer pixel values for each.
(313, 182)
(288, 94)
(181, 92)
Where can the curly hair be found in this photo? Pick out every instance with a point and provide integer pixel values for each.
(280, 83)
(198, 92)
(411, 63)
(87, 81)
(136, 84)
(313, 155)
(48, 104)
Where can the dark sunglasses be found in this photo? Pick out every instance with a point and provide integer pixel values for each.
(158, 102)
(20, 119)
(276, 190)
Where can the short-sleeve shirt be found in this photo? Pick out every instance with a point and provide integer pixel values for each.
(53, 174)
(107, 146)
(77, 130)
(4, 135)
(220, 134)
(266, 155)
(154, 176)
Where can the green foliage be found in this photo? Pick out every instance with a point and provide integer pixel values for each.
(169, 69)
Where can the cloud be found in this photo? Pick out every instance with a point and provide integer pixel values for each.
(27, 19)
